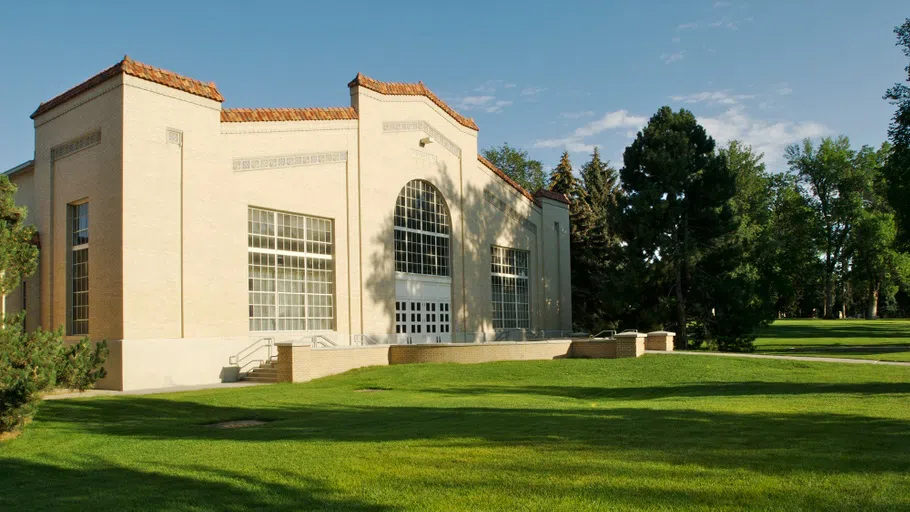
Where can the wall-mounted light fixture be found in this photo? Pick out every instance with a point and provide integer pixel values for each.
(426, 140)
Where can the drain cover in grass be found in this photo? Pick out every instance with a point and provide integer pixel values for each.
(237, 424)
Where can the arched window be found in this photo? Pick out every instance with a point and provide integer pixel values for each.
(421, 231)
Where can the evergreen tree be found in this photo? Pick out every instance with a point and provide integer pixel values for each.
(676, 206)
(18, 255)
(897, 170)
(599, 182)
(562, 180)
(593, 265)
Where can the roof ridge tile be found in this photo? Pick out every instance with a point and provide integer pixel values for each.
(411, 89)
(505, 177)
(248, 115)
(137, 69)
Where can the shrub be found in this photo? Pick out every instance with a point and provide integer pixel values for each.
(31, 363)
(28, 366)
(79, 366)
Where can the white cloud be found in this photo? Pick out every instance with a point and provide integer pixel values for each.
(676, 39)
(687, 26)
(470, 102)
(713, 98)
(736, 122)
(720, 4)
(508, 86)
(768, 137)
(670, 58)
(532, 91)
(577, 115)
(572, 144)
(727, 23)
(611, 121)
(783, 91)
(497, 106)
(620, 119)
(486, 103)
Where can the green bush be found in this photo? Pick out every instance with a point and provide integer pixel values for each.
(28, 366)
(79, 366)
(31, 363)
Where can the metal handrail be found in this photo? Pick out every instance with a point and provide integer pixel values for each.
(254, 347)
(605, 331)
(326, 342)
(364, 339)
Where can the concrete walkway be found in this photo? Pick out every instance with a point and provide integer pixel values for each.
(788, 358)
(175, 389)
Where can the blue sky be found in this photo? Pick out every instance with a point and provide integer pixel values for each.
(544, 76)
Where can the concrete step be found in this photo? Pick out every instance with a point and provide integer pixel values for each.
(260, 378)
(264, 371)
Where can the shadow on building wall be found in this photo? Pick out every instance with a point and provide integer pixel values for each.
(475, 225)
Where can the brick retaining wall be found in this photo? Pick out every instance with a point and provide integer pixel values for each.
(299, 362)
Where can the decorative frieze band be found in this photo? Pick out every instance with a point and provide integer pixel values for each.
(424, 158)
(284, 161)
(74, 146)
(511, 212)
(422, 126)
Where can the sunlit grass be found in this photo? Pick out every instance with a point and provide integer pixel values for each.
(885, 340)
(658, 432)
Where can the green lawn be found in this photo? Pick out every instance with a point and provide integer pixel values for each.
(658, 432)
(886, 340)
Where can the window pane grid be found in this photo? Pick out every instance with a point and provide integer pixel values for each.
(80, 224)
(291, 272)
(78, 282)
(511, 293)
(421, 231)
(79, 315)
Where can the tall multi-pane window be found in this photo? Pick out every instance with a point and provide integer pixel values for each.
(78, 324)
(291, 272)
(511, 298)
(421, 231)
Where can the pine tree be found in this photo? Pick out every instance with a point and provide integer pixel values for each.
(592, 240)
(897, 170)
(18, 255)
(599, 182)
(562, 180)
(676, 204)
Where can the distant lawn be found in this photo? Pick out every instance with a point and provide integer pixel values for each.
(659, 433)
(885, 340)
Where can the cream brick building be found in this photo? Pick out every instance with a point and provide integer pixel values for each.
(185, 233)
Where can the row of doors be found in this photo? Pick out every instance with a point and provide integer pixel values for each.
(423, 320)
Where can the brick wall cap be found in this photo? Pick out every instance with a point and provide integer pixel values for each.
(661, 333)
(354, 347)
(479, 344)
(293, 344)
(631, 335)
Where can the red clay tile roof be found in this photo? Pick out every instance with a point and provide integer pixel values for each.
(246, 115)
(418, 89)
(506, 178)
(549, 194)
(139, 70)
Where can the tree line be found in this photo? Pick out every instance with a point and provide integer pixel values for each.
(706, 241)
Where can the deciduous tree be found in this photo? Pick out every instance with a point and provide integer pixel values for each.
(517, 165)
